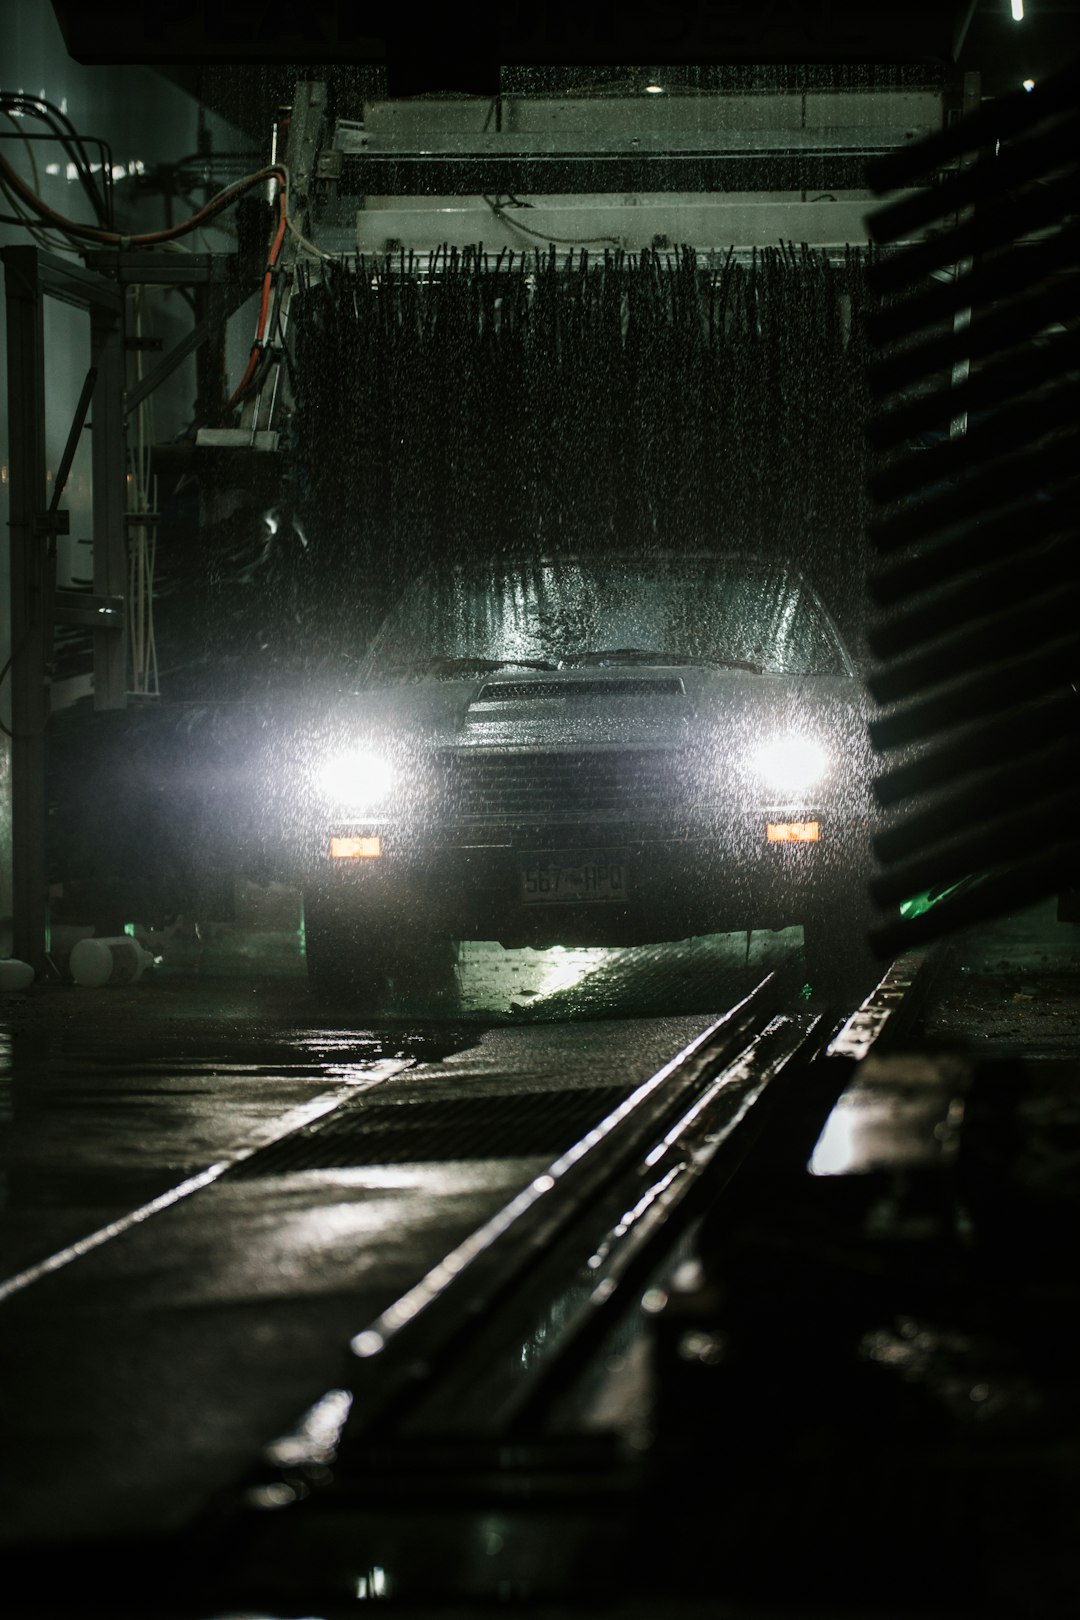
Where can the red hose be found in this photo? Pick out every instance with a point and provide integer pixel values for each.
(264, 304)
(147, 238)
(154, 238)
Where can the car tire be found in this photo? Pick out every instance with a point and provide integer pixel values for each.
(348, 961)
(422, 975)
(338, 966)
(841, 966)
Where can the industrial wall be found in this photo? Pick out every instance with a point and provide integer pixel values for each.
(149, 124)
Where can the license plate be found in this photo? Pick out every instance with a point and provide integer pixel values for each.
(555, 879)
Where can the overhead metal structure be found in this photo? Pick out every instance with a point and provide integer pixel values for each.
(721, 171)
(714, 170)
(306, 169)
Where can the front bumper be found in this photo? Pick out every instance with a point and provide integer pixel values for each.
(673, 882)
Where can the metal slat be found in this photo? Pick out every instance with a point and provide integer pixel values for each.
(588, 145)
(995, 491)
(514, 1125)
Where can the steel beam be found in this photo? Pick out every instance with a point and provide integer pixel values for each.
(388, 174)
(231, 301)
(137, 267)
(707, 223)
(71, 284)
(591, 146)
(87, 610)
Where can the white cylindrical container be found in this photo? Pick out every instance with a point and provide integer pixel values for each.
(95, 962)
(15, 975)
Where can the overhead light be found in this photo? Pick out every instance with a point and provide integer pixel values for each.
(1029, 84)
(1018, 10)
(654, 89)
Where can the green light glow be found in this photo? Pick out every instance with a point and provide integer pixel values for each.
(919, 904)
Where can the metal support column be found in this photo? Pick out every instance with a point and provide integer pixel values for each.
(31, 606)
(30, 276)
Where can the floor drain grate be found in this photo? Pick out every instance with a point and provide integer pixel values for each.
(519, 1125)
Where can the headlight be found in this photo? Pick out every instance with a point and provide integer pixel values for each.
(790, 763)
(356, 780)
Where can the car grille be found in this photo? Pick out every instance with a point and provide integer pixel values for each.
(527, 691)
(642, 784)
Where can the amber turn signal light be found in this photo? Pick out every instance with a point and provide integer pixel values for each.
(355, 849)
(792, 832)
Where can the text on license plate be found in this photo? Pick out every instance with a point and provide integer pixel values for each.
(549, 880)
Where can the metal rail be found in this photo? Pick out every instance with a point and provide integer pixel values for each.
(437, 1318)
(447, 1423)
(575, 1298)
(575, 1243)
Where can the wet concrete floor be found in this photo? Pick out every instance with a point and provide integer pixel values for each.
(167, 1308)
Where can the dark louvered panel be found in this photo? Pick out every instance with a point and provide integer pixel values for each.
(977, 588)
(648, 784)
(526, 1125)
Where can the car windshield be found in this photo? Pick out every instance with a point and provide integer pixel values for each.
(722, 611)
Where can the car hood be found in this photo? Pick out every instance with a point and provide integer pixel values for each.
(646, 705)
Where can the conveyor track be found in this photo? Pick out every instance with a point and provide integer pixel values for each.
(452, 1390)
(610, 1177)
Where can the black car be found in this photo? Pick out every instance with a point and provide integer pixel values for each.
(591, 751)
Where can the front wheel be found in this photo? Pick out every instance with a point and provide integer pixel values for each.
(841, 966)
(375, 966)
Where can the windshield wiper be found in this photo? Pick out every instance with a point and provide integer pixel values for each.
(641, 655)
(461, 666)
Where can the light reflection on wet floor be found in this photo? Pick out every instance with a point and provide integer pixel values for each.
(681, 976)
(493, 983)
(121, 1093)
